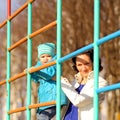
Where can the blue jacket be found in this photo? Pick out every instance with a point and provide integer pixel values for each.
(47, 90)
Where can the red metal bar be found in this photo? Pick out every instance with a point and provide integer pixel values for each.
(10, 17)
(9, 8)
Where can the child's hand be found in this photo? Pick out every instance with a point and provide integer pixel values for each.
(26, 70)
(54, 78)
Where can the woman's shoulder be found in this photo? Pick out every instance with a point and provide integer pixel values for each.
(101, 81)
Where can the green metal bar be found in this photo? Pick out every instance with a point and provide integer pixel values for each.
(59, 41)
(29, 60)
(96, 56)
(8, 67)
(8, 58)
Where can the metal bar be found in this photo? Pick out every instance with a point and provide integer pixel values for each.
(96, 56)
(17, 12)
(17, 76)
(41, 67)
(52, 24)
(77, 52)
(2, 82)
(31, 70)
(8, 58)
(70, 55)
(42, 104)
(59, 44)
(90, 46)
(3, 23)
(17, 110)
(31, 107)
(29, 60)
(8, 69)
(108, 88)
(17, 43)
(108, 37)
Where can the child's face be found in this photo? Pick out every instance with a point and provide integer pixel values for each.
(44, 58)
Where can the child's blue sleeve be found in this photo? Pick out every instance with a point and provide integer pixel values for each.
(35, 76)
(48, 73)
(44, 74)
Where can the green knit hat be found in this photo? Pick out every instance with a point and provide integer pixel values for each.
(46, 48)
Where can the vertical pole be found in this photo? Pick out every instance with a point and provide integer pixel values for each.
(59, 44)
(96, 56)
(8, 57)
(29, 60)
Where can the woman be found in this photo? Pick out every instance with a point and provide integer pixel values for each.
(80, 91)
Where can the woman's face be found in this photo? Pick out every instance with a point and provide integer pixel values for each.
(84, 64)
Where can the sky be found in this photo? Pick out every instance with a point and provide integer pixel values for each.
(15, 4)
(3, 12)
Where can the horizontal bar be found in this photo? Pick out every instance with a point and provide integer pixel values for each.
(31, 70)
(52, 24)
(3, 23)
(17, 43)
(17, 12)
(108, 37)
(17, 110)
(108, 88)
(41, 104)
(90, 46)
(31, 107)
(77, 52)
(17, 76)
(99, 42)
(3, 82)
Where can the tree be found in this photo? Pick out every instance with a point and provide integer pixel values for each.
(77, 30)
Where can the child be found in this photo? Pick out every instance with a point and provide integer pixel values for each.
(47, 89)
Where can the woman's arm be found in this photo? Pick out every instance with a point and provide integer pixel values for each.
(73, 96)
(86, 95)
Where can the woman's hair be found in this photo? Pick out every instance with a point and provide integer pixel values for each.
(90, 54)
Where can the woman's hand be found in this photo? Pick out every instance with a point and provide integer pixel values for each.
(64, 79)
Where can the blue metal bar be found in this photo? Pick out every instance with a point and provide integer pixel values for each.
(8, 61)
(8, 67)
(108, 37)
(77, 52)
(59, 44)
(96, 56)
(108, 88)
(29, 60)
(90, 46)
